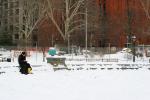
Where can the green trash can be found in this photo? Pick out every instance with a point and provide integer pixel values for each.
(52, 51)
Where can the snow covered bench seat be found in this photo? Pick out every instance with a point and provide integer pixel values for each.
(57, 60)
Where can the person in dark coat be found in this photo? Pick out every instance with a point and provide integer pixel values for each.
(24, 66)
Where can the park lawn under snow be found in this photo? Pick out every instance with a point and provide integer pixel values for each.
(47, 84)
(76, 85)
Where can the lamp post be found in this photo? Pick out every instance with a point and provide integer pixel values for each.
(68, 43)
(133, 41)
(86, 30)
(128, 44)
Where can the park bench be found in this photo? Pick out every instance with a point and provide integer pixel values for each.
(57, 60)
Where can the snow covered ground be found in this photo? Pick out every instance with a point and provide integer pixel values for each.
(47, 84)
(76, 85)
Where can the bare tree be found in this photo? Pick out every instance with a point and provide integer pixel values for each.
(33, 12)
(93, 21)
(70, 10)
(69, 13)
(146, 7)
(128, 25)
(103, 20)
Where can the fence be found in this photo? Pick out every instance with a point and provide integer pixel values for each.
(104, 50)
(17, 53)
(92, 60)
(76, 50)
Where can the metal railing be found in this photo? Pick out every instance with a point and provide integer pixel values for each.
(92, 60)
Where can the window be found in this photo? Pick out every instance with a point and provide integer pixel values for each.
(6, 13)
(6, 28)
(11, 28)
(5, 21)
(17, 11)
(23, 27)
(17, 4)
(6, 5)
(11, 5)
(17, 19)
(0, 14)
(1, 10)
(11, 20)
(23, 36)
(25, 11)
(16, 29)
(24, 19)
(25, 3)
(11, 12)
(16, 36)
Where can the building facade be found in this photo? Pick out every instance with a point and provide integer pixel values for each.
(9, 19)
(14, 20)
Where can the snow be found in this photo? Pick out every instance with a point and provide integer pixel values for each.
(76, 85)
(47, 84)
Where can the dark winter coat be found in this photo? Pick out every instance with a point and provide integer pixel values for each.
(21, 59)
(23, 64)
